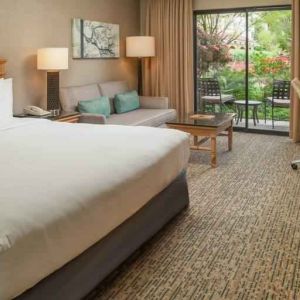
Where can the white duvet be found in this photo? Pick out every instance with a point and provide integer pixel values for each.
(65, 186)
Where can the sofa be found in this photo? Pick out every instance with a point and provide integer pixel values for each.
(153, 111)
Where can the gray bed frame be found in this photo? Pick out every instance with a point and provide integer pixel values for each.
(79, 277)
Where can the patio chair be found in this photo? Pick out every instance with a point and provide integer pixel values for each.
(280, 96)
(211, 93)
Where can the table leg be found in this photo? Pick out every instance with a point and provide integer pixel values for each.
(265, 112)
(256, 115)
(241, 114)
(238, 114)
(195, 140)
(230, 137)
(213, 146)
(253, 115)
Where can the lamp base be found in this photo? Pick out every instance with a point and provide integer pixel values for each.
(53, 90)
(140, 77)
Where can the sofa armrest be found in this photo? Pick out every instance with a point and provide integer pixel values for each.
(154, 102)
(92, 118)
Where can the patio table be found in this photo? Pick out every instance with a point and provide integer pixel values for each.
(241, 107)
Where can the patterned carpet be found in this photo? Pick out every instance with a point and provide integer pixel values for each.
(240, 238)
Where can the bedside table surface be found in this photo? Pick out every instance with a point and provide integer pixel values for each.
(62, 115)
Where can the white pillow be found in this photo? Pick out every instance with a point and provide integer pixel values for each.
(6, 98)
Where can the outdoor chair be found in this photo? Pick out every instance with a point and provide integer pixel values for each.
(280, 96)
(211, 93)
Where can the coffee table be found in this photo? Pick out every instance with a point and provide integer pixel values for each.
(208, 126)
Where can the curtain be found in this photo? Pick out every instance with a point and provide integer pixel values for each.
(170, 73)
(295, 103)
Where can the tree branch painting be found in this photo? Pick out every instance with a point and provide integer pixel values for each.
(93, 39)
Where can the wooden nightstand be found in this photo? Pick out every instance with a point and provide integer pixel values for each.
(66, 117)
(63, 117)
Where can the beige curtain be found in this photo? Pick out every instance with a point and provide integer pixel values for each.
(170, 73)
(295, 104)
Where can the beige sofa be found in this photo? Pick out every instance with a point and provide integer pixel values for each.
(153, 111)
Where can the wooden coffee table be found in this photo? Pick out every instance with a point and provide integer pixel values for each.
(208, 126)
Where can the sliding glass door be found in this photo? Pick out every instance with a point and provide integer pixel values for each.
(239, 54)
(270, 35)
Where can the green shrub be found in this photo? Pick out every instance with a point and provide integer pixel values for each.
(233, 82)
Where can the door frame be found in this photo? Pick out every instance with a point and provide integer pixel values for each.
(245, 10)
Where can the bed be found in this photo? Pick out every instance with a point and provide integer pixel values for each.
(76, 200)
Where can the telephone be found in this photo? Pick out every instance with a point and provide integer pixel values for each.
(35, 111)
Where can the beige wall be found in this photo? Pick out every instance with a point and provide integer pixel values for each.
(220, 4)
(30, 24)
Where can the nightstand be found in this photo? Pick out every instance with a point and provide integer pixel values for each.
(72, 117)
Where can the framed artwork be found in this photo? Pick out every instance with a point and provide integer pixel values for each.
(92, 39)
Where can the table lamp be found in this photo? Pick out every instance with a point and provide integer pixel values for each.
(140, 47)
(52, 60)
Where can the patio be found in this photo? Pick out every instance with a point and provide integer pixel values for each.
(261, 123)
(280, 126)
(257, 118)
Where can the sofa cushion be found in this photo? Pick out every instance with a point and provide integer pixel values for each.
(70, 96)
(216, 99)
(285, 103)
(99, 106)
(143, 117)
(112, 88)
(126, 102)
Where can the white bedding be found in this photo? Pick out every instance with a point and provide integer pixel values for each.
(65, 186)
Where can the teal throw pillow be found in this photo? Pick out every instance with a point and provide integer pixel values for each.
(99, 106)
(126, 102)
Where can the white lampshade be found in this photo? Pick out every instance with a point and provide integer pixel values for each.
(52, 59)
(140, 46)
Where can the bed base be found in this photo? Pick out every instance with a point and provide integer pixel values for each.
(80, 276)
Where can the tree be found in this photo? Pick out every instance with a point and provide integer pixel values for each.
(272, 30)
(216, 34)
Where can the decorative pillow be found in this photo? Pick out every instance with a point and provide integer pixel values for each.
(99, 106)
(126, 102)
(6, 98)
